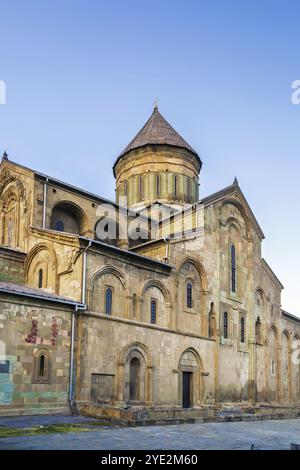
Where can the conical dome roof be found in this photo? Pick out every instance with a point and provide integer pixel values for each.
(157, 131)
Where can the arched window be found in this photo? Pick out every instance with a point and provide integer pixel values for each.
(157, 185)
(108, 301)
(153, 312)
(242, 329)
(189, 295)
(59, 226)
(225, 325)
(175, 185)
(189, 188)
(140, 187)
(42, 366)
(40, 283)
(258, 330)
(273, 367)
(233, 268)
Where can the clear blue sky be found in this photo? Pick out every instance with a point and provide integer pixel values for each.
(82, 77)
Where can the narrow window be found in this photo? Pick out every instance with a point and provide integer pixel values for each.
(153, 310)
(273, 367)
(233, 268)
(108, 301)
(157, 185)
(242, 329)
(175, 185)
(40, 278)
(225, 325)
(125, 189)
(141, 187)
(42, 366)
(189, 188)
(258, 330)
(189, 295)
(59, 226)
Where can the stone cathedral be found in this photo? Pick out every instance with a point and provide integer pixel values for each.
(156, 306)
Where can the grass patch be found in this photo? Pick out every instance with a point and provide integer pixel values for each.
(51, 429)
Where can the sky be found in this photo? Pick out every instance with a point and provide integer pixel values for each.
(82, 76)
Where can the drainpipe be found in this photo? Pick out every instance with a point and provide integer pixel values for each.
(72, 358)
(45, 202)
(166, 240)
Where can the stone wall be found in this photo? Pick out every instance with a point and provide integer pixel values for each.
(29, 329)
(12, 264)
(108, 345)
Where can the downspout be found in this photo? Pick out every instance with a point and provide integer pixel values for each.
(72, 358)
(45, 203)
(77, 308)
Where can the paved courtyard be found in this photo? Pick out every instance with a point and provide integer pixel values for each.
(236, 435)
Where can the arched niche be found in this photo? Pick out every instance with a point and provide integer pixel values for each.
(272, 365)
(68, 217)
(42, 259)
(134, 384)
(11, 212)
(111, 278)
(190, 272)
(285, 366)
(154, 290)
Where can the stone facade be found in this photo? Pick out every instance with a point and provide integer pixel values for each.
(34, 334)
(189, 317)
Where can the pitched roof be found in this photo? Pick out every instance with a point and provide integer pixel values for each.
(17, 289)
(157, 131)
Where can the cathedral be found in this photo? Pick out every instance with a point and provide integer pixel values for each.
(155, 306)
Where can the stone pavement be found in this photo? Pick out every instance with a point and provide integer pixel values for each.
(232, 435)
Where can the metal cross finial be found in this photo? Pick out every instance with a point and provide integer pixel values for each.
(156, 104)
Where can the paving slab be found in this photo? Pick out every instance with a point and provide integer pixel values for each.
(268, 435)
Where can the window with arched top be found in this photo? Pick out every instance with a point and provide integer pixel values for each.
(40, 279)
(188, 188)
(59, 226)
(108, 300)
(141, 188)
(189, 295)
(233, 268)
(157, 185)
(242, 327)
(41, 367)
(153, 312)
(175, 185)
(225, 325)
(258, 335)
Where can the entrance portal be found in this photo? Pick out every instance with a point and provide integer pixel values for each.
(134, 387)
(186, 389)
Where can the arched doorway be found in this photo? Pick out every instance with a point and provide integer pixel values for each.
(273, 372)
(134, 385)
(136, 374)
(190, 384)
